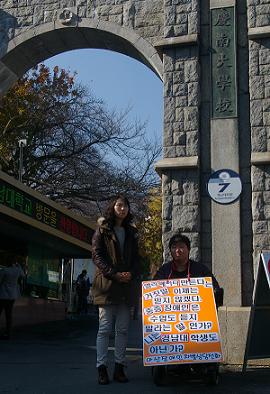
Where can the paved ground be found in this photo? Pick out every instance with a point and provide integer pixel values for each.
(59, 358)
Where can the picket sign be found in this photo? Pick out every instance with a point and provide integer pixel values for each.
(180, 323)
(258, 344)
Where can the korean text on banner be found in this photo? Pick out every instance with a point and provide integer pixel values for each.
(180, 323)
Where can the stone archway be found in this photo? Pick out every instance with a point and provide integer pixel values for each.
(41, 42)
(173, 38)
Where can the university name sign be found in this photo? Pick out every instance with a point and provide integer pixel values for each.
(223, 59)
(22, 202)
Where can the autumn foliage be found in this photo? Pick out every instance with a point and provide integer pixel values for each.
(150, 229)
(25, 108)
(78, 151)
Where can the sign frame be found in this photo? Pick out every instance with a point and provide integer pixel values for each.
(259, 319)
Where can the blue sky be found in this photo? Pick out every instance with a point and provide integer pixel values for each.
(120, 81)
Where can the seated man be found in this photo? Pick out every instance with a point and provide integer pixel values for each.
(182, 267)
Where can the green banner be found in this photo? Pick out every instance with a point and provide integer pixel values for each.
(223, 63)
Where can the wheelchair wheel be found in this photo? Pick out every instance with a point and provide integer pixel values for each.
(159, 375)
(212, 376)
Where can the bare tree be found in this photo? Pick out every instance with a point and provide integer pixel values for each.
(78, 151)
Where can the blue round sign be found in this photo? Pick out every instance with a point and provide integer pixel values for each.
(224, 186)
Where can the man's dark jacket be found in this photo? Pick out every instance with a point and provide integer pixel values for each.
(196, 270)
(107, 257)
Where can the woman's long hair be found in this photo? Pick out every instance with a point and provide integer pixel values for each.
(110, 214)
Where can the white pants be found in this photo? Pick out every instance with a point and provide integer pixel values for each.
(108, 314)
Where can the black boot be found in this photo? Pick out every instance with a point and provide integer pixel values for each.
(103, 377)
(119, 374)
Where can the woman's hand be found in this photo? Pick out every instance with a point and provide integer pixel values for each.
(123, 277)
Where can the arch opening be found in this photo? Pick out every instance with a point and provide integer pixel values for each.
(41, 43)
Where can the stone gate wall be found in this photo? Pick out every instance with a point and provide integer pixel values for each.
(259, 87)
(176, 35)
(179, 30)
(181, 122)
(144, 16)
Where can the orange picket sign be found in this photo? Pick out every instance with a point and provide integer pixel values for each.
(180, 323)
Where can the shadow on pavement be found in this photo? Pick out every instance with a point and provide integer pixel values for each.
(72, 327)
(65, 350)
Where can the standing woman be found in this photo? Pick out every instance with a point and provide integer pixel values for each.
(115, 254)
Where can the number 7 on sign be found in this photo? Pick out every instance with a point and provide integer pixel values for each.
(224, 187)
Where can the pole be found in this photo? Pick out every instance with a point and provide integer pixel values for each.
(70, 300)
(22, 144)
(21, 162)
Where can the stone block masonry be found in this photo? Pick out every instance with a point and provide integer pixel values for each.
(172, 38)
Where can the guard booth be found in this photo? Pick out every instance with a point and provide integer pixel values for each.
(45, 238)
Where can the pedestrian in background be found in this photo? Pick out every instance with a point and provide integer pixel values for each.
(9, 291)
(82, 290)
(115, 254)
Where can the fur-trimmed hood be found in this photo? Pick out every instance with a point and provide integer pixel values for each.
(102, 222)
